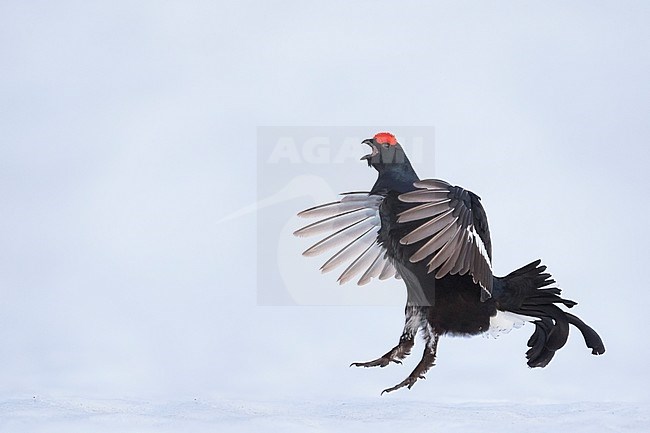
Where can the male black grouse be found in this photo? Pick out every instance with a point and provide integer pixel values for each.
(435, 237)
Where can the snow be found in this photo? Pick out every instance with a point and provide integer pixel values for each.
(378, 414)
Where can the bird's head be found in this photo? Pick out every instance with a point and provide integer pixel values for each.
(386, 154)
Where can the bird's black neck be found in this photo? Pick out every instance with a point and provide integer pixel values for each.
(395, 177)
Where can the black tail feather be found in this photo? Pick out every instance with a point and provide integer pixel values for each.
(525, 292)
(592, 339)
(539, 355)
(559, 332)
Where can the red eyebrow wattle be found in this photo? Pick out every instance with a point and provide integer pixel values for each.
(385, 137)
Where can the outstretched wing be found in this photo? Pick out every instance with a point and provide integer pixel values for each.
(454, 234)
(353, 223)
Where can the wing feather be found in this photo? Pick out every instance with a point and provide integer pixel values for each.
(456, 245)
(331, 209)
(429, 228)
(335, 222)
(373, 270)
(350, 251)
(436, 242)
(360, 264)
(426, 210)
(388, 270)
(443, 254)
(340, 237)
(422, 195)
(453, 230)
(432, 184)
(351, 224)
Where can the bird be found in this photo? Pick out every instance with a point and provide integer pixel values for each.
(434, 236)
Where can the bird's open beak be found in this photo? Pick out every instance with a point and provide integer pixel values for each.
(375, 151)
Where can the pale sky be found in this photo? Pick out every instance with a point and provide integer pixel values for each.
(130, 129)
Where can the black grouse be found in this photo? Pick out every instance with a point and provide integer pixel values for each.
(435, 237)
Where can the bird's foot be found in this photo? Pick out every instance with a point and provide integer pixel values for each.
(427, 361)
(408, 382)
(379, 362)
(396, 354)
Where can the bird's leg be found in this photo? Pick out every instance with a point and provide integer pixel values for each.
(427, 361)
(414, 318)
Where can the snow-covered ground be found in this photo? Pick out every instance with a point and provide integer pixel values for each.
(373, 414)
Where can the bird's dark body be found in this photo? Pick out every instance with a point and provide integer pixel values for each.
(458, 308)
